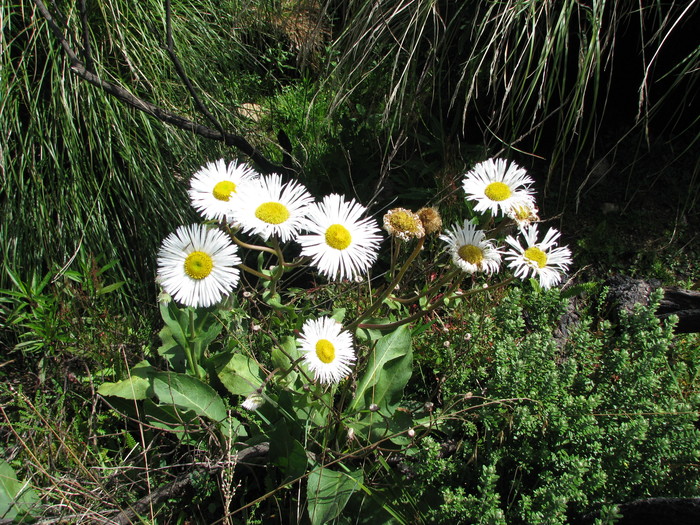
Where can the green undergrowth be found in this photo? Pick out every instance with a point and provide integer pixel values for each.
(530, 426)
(552, 429)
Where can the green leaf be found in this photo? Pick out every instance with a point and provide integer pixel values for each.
(171, 350)
(136, 386)
(387, 372)
(188, 393)
(241, 375)
(176, 320)
(338, 315)
(16, 498)
(328, 492)
(281, 361)
(206, 328)
(110, 288)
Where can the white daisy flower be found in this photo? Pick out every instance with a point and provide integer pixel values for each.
(197, 265)
(541, 259)
(496, 185)
(341, 243)
(213, 188)
(269, 207)
(328, 350)
(470, 251)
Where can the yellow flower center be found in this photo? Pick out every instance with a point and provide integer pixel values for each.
(223, 190)
(325, 350)
(471, 254)
(338, 237)
(272, 213)
(522, 213)
(198, 265)
(534, 254)
(497, 191)
(403, 222)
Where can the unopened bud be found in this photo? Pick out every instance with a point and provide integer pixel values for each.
(411, 433)
(373, 407)
(253, 401)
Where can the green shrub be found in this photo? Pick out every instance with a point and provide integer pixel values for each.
(604, 418)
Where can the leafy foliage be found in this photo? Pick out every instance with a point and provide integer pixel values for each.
(599, 419)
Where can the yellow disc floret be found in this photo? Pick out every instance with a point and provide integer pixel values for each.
(223, 190)
(403, 224)
(338, 237)
(471, 254)
(272, 212)
(497, 191)
(198, 265)
(325, 351)
(537, 256)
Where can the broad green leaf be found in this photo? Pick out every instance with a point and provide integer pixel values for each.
(241, 375)
(176, 320)
(328, 491)
(171, 350)
(168, 417)
(338, 315)
(371, 334)
(386, 374)
(136, 386)
(282, 362)
(16, 498)
(374, 426)
(188, 393)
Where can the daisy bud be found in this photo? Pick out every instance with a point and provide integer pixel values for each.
(253, 401)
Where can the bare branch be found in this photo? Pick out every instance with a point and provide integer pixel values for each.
(117, 91)
(176, 488)
(170, 48)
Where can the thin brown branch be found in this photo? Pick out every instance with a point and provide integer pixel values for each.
(176, 488)
(170, 48)
(117, 91)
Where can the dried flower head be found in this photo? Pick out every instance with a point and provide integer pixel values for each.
(431, 220)
(404, 224)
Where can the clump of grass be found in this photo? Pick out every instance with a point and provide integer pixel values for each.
(78, 166)
(530, 77)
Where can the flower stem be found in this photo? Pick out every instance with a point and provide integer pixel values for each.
(252, 271)
(436, 304)
(374, 306)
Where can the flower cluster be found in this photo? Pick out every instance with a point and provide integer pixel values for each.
(199, 265)
(501, 188)
(338, 240)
